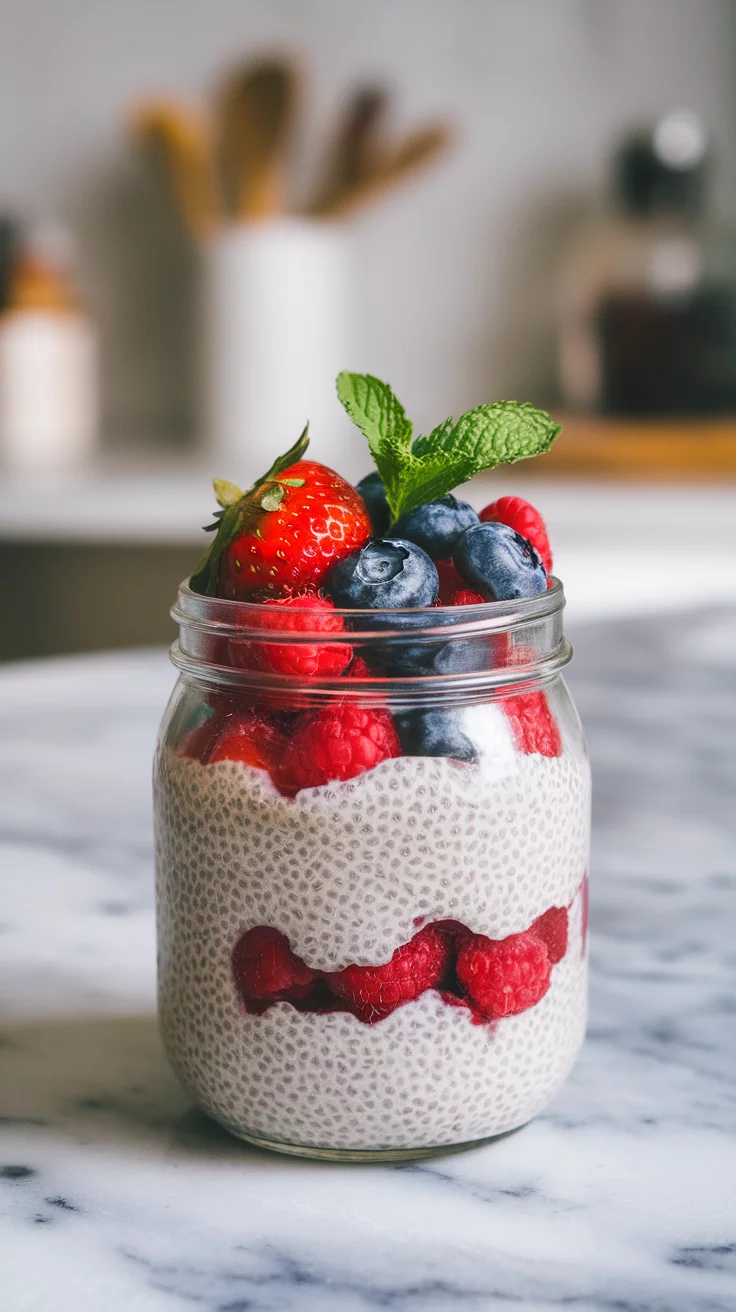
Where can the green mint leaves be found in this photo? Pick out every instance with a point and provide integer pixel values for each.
(241, 512)
(415, 472)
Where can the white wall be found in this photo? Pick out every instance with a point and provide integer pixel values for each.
(455, 271)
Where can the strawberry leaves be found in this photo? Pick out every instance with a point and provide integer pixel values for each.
(241, 511)
(425, 469)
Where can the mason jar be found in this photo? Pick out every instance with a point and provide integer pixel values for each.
(371, 849)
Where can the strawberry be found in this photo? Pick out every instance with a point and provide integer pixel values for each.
(521, 516)
(373, 992)
(337, 742)
(308, 613)
(533, 725)
(551, 929)
(265, 969)
(284, 534)
(250, 738)
(503, 977)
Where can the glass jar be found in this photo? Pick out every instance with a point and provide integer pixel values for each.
(392, 961)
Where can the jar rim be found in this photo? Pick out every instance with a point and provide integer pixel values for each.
(227, 618)
(522, 644)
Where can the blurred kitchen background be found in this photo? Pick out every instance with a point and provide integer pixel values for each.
(206, 210)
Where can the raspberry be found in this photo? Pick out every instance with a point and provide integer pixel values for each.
(359, 669)
(373, 992)
(250, 738)
(302, 613)
(533, 725)
(338, 742)
(466, 597)
(519, 515)
(551, 929)
(265, 969)
(503, 977)
(198, 743)
(450, 581)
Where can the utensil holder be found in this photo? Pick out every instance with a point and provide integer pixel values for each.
(277, 321)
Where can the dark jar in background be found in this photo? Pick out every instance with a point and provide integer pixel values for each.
(648, 322)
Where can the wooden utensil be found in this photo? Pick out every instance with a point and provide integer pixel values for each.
(415, 153)
(354, 150)
(181, 140)
(257, 115)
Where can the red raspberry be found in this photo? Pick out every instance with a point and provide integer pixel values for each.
(301, 613)
(249, 737)
(551, 929)
(359, 669)
(372, 992)
(450, 581)
(533, 725)
(337, 742)
(466, 597)
(198, 743)
(265, 968)
(524, 519)
(311, 519)
(503, 977)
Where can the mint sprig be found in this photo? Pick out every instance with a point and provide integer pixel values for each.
(415, 472)
(241, 512)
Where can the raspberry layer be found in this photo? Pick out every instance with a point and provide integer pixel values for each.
(266, 971)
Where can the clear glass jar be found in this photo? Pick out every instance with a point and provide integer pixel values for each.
(388, 964)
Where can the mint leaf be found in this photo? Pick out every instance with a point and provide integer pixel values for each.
(377, 412)
(242, 514)
(414, 474)
(490, 435)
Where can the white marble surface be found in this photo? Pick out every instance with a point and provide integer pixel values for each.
(115, 1195)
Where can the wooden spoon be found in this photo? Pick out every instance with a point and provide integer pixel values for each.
(415, 153)
(257, 114)
(180, 139)
(353, 152)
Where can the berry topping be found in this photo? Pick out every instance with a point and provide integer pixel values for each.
(266, 970)
(499, 563)
(435, 733)
(551, 928)
(450, 581)
(466, 597)
(503, 977)
(302, 524)
(533, 725)
(284, 534)
(385, 574)
(308, 613)
(249, 738)
(374, 496)
(338, 742)
(436, 527)
(372, 992)
(521, 516)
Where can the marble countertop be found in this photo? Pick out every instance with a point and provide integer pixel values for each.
(116, 1195)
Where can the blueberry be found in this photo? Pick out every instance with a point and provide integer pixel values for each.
(385, 574)
(499, 563)
(374, 495)
(437, 526)
(434, 733)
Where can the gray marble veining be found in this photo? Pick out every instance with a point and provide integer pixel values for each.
(116, 1195)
